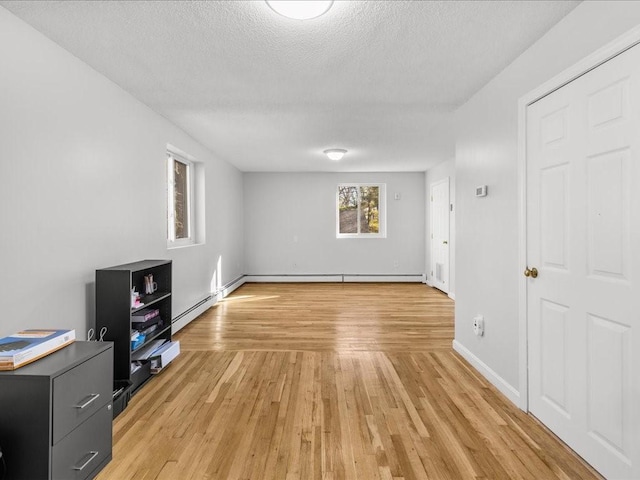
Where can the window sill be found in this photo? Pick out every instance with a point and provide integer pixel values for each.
(174, 246)
(367, 236)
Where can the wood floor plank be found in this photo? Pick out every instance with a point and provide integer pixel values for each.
(329, 382)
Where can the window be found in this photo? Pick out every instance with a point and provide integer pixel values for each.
(180, 173)
(360, 211)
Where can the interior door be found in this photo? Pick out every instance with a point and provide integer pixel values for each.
(583, 239)
(440, 235)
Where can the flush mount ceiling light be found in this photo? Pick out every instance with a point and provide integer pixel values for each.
(300, 10)
(335, 153)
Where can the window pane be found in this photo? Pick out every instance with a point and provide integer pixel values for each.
(369, 209)
(348, 205)
(181, 199)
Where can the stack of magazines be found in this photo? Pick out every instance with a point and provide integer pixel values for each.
(146, 321)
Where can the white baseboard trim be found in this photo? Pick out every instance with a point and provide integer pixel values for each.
(339, 278)
(383, 278)
(452, 295)
(496, 380)
(230, 287)
(183, 321)
(292, 278)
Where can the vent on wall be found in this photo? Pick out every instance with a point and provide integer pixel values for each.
(439, 272)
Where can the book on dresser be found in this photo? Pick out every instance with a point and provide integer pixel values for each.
(27, 346)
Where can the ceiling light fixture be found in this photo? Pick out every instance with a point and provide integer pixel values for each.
(335, 153)
(300, 10)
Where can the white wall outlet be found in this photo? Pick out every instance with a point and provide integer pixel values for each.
(478, 325)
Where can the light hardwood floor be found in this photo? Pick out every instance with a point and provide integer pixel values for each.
(329, 381)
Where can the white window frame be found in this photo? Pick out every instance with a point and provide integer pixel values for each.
(172, 241)
(382, 211)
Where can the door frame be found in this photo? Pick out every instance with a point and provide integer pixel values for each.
(600, 56)
(446, 180)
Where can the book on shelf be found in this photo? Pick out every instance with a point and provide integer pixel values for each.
(145, 315)
(150, 329)
(137, 339)
(146, 324)
(145, 352)
(28, 346)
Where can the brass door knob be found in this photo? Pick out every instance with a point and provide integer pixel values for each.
(533, 273)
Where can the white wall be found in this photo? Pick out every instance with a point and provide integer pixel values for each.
(82, 186)
(290, 218)
(487, 270)
(433, 175)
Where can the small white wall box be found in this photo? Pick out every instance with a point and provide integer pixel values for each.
(478, 325)
(164, 355)
(481, 191)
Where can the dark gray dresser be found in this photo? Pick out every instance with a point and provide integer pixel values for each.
(56, 414)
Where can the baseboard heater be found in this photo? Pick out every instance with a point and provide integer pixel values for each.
(292, 277)
(335, 277)
(200, 307)
(191, 309)
(229, 287)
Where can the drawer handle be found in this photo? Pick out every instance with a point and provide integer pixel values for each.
(92, 455)
(92, 398)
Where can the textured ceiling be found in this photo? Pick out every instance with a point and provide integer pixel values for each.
(265, 93)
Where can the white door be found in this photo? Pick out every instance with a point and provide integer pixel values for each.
(440, 235)
(583, 237)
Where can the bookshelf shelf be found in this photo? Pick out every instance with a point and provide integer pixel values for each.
(155, 336)
(149, 300)
(114, 311)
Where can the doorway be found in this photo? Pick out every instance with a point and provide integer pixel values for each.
(440, 223)
(582, 289)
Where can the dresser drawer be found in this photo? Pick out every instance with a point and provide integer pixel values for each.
(78, 455)
(80, 392)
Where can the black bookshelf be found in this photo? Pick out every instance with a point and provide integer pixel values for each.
(114, 311)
